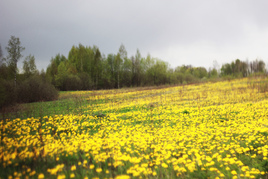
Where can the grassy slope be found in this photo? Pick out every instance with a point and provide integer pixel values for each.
(188, 131)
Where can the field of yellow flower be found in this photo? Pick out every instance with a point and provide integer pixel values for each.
(216, 130)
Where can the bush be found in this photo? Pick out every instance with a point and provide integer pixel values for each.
(72, 82)
(35, 89)
(86, 82)
(189, 78)
(8, 94)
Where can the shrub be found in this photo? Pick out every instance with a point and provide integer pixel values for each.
(35, 89)
(189, 78)
(73, 82)
(86, 82)
(8, 94)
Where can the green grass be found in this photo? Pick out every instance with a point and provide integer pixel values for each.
(66, 104)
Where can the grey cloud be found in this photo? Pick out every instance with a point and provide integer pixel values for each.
(212, 29)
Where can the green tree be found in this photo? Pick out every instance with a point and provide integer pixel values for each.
(127, 74)
(96, 66)
(226, 69)
(158, 72)
(111, 71)
(199, 72)
(14, 50)
(136, 69)
(29, 66)
(1, 54)
(52, 69)
(121, 55)
(149, 62)
(257, 66)
(61, 76)
(213, 73)
(118, 67)
(82, 58)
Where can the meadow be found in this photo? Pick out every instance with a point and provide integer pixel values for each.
(208, 130)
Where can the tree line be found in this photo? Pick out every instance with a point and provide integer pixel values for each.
(29, 86)
(86, 68)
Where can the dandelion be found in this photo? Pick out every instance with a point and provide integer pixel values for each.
(164, 165)
(61, 176)
(41, 176)
(91, 166)
(233, 172)
(32, 173)
(72, 175)
(98, 170)
(73, 168)
(122, 177)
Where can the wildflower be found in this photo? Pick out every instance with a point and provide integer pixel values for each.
(122, 177)
(32, 173)
(72, 175)
(73, 168)
(98, 170)
(233, 172)
(41, 176)
(164, 165)
(91, 166)
(61, 176)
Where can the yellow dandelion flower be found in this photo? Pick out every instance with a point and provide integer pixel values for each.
(122, 177)
(91, 166)
(33, 173)
(61, 176)
(164, 165)
(72, 175)
(233, 172)
(73, 168)
(98, 170)
(41, 176)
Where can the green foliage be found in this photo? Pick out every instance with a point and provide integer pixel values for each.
(61, 76)
(1, 53)
(35, 89)
(14, 50)
(2, 93)
(72, 82)
(242, 69)
(29, 66)
(213, 73)
(8, 93)
(96, 71)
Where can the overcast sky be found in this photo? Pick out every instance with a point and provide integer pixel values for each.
(177, 31)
